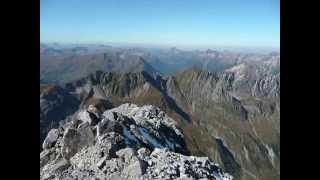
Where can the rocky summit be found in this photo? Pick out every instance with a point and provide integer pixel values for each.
(126, 142)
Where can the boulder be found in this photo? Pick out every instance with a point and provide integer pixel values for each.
(70, 142)
(75, 139)
(112, 166)
(109, 144)
(61, 165)
(51, 139)
(102, 162)
(143, 153)
(128, 155)
(92, 109)
(135, 170)
(86, 135)
(46, 156)
(86, 116)
(107, 125)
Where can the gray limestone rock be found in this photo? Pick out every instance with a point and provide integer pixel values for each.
(70, 142)
(79, 154)
(107, 125)
(50, 139)
(135, 169)
(46, 156)
(128, 155)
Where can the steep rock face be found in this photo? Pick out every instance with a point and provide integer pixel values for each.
(111, 83)
(241, 104)
(258, 79)
(139, 88)
(128, 142)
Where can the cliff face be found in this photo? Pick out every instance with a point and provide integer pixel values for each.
(127, 142)
(240, 107)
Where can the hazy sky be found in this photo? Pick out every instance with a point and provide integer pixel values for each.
(196, 23)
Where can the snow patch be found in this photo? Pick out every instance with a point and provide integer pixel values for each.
(128, 136)
(144, 132)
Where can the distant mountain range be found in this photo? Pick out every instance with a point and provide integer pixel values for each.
(227, 104)
(61, 64)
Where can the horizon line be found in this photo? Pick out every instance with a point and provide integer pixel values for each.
(170, 45)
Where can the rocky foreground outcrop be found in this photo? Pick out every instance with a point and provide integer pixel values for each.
(55, 105)
(127, 142)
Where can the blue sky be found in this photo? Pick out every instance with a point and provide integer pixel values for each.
(194, 23)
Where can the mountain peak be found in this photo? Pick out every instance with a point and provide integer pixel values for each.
(193, 71)
(127, 142)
